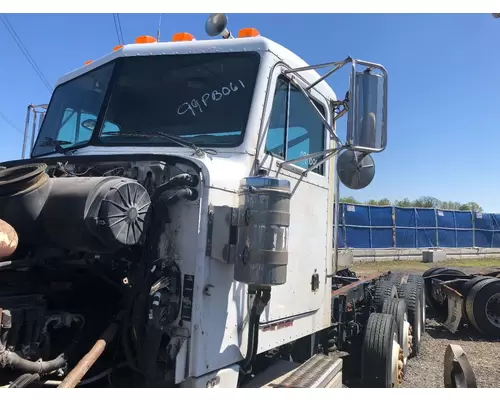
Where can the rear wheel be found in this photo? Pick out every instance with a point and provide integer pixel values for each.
(412, 297)
(467, 286)
(397, 308)
(402, 279)
(380, 352)
(447, 273)
(384, 289)
(483, 306)
(430, 271)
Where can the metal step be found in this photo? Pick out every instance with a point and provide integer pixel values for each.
(319, 371)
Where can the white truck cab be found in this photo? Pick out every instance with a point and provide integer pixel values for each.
(242, 265)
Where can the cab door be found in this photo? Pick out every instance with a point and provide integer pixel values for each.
(295, 130)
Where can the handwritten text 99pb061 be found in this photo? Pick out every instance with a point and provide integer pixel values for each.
(198, 105)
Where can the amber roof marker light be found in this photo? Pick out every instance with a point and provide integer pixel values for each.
(217, 25)
(144, 39)
(248, 32)
(182, 37)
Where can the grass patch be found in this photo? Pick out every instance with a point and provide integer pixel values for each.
(415, 265)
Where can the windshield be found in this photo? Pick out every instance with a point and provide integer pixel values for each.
(71, 104)
(203, 98)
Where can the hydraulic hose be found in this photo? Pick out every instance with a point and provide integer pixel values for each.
(24, 381)
(186, 193)
(261, 300)
(175, 182)
(14, 361)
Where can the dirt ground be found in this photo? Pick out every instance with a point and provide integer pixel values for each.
(469, 265)
(426, 370)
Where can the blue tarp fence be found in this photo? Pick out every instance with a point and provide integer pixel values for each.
(385, 227)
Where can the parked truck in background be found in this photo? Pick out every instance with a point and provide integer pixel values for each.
(174, 224)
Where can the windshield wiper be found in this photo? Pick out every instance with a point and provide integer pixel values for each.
(164, 135)
(56, 145)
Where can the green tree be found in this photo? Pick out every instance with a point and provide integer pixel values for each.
(406, 202)
(421, 202)
(470, 206)
(426, 202)
(348, 200)
(450, 205)
(384, 202)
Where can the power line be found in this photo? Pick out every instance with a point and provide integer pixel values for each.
(159, 28)
(118, 28)
(25, 51)
(9, 122)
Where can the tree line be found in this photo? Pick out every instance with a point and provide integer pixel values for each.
(422, 202)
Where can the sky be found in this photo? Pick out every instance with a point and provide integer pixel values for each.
(444, 84)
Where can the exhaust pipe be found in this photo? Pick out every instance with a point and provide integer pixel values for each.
(77, 373)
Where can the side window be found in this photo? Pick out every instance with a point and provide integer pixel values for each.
(295, 130)
(275, 142)
(67, 131)
(77, 126)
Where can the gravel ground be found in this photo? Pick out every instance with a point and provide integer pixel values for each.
(426, 370)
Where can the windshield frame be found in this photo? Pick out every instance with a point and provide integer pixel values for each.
(95, 139)
(102, 108)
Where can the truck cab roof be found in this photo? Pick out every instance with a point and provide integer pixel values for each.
(258, 44)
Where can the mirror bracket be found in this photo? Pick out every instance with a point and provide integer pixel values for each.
(327, 154)
(350, 96)
(337, 65)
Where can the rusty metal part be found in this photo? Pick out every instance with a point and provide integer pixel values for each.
(401, 358)
(458, 372)
(77, 373)
(8, 239)
(455, 306)
(346, 288)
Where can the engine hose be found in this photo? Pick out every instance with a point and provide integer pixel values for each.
(261, 300)
(14, 361)
(185, 193)
(24, 381)
(253, 323)
(79, 371)
(174, 182)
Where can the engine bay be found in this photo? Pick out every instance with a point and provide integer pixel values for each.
(93, 281)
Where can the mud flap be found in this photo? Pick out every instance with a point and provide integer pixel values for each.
(455, 307)
(458, 372)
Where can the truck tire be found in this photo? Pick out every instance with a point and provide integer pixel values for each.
(397, 308)
(412, 298)
(399, 279)
(482, 307)
(419, 280)
(431, 271)
(380, 351)
(467, 286)
(384, 289)
(464, 291)
(431, 301)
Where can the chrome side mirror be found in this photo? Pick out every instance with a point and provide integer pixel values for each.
(367, 114)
